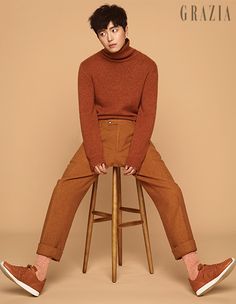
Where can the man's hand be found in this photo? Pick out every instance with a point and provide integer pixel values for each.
(100, 168)
(129, 170)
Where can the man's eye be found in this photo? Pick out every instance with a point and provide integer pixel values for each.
(115, 29)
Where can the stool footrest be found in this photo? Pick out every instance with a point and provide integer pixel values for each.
(128, 209)
(101, 213)
(105, 216)
(132, 223)
(101, 219)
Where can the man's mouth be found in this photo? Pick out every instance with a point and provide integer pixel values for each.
(112, 45)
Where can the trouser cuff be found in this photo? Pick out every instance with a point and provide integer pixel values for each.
(184, 248)
(49, 251)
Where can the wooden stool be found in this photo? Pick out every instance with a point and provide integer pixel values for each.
(117, 225)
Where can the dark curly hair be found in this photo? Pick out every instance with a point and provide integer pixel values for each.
(106, 13)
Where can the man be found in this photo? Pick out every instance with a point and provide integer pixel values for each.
(117, 89)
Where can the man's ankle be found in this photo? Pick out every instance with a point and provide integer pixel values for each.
(40, 275)
(193, 271)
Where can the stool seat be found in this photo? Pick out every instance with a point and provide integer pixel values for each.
(117, 224)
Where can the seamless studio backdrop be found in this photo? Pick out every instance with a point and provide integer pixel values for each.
(42, 45)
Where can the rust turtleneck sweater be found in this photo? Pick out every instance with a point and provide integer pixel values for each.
(121, 85)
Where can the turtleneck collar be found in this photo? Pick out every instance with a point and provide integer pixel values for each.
(123, 54)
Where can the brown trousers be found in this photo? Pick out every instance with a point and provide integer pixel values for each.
(70, 189)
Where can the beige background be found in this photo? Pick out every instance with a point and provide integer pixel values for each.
(42, 45)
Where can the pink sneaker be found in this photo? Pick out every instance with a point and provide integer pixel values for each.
(210, 275)
(25, 277)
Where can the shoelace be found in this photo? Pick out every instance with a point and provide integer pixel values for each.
(213, 266)
(200, 266)
(32, 267)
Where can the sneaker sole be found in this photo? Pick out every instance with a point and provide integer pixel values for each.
(18, 282)
(214, 282)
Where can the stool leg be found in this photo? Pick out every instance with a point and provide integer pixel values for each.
(119, 218)
(90, 225)
(114, 224)
(144, 225)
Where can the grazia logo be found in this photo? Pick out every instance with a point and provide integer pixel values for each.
(205, 12)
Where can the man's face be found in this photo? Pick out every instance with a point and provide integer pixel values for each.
(113, 37)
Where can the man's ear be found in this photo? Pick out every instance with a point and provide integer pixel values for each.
(126, 30)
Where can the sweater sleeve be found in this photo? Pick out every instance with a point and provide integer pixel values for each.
(145, 120)
(89, 120)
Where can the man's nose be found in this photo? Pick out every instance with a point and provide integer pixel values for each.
(109, 37)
